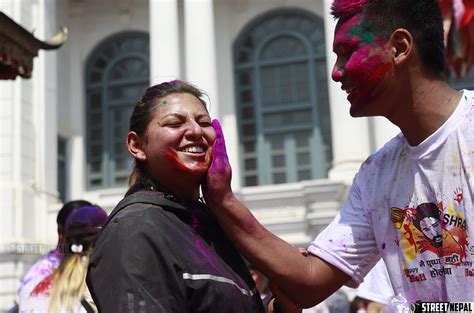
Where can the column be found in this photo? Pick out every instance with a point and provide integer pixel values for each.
(200, 49)
(164, 41)
(350, 136)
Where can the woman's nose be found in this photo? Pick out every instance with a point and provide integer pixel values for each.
(194, 130)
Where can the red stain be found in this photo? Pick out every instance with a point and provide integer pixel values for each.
(198, 167)
(43, 286)
(378, 73)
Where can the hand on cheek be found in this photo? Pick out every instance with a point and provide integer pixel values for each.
(219, 174)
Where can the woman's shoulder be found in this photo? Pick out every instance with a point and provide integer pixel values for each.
(146, 207)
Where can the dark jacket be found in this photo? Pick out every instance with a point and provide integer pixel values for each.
(157, 255)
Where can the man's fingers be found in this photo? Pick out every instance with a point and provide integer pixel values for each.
(219, 148)
(217, 127)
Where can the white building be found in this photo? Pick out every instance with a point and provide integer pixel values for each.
(265, 65)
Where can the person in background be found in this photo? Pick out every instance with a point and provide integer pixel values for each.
(262, 284)
(64, 290)
(38, 277)
(69, 291)
(376, 290)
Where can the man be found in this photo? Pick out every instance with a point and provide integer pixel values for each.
(38, 277)
(436, 237)
(390, 61)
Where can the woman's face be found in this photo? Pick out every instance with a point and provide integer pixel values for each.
(179, 137)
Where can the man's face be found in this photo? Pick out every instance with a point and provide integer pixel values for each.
(362, 64)
(432, 230)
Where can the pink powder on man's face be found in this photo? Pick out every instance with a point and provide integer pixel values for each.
(364, 66)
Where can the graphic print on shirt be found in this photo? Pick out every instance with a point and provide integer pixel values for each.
(433, 239)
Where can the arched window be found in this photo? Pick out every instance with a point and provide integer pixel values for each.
(282, 99)
(117, 73)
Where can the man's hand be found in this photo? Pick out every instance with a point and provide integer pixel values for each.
(219, 175)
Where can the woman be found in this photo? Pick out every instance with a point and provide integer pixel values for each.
(162, 250)
(65, 289)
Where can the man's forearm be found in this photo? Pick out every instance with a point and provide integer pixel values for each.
(303, 279)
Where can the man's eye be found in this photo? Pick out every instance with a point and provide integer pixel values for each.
(205, 124)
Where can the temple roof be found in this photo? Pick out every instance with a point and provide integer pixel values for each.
(18, 47)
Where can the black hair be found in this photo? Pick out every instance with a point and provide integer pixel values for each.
(424, 210)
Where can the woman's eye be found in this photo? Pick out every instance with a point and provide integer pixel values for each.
(173, 124)
(205, 124)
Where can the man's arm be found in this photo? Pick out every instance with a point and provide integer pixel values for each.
(305, 280)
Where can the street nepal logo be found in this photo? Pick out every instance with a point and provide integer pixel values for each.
(441, 307)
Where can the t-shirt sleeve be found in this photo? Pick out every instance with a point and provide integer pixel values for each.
(348, 242)
(128, 272)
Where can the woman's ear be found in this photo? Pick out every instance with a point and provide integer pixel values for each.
(402, 43)
(136, 145)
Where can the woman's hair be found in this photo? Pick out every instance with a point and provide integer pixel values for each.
(144, 110)
(81, 230)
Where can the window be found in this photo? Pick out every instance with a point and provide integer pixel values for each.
(282, 99)
(117, 74)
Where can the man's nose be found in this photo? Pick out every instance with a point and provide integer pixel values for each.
(337, 73)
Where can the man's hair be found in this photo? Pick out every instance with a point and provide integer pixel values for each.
(67, 208)
(425, 210)
(422, 18)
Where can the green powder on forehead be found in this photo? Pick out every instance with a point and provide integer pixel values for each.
(363, 32)
(162, 104)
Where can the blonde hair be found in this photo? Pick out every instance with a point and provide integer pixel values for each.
(69, 285)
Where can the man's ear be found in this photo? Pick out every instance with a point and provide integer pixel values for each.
(136, 145)
(401, 41)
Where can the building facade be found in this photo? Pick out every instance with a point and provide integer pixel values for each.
(265, 66)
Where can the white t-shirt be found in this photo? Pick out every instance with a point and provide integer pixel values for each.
(36, 283)
(376, 285)
(414, 207)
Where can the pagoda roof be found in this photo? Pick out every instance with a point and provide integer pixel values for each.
(18, 47)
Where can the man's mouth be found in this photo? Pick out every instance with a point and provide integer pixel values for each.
(349, 90)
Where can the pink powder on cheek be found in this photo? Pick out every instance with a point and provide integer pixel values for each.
(365, 69)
